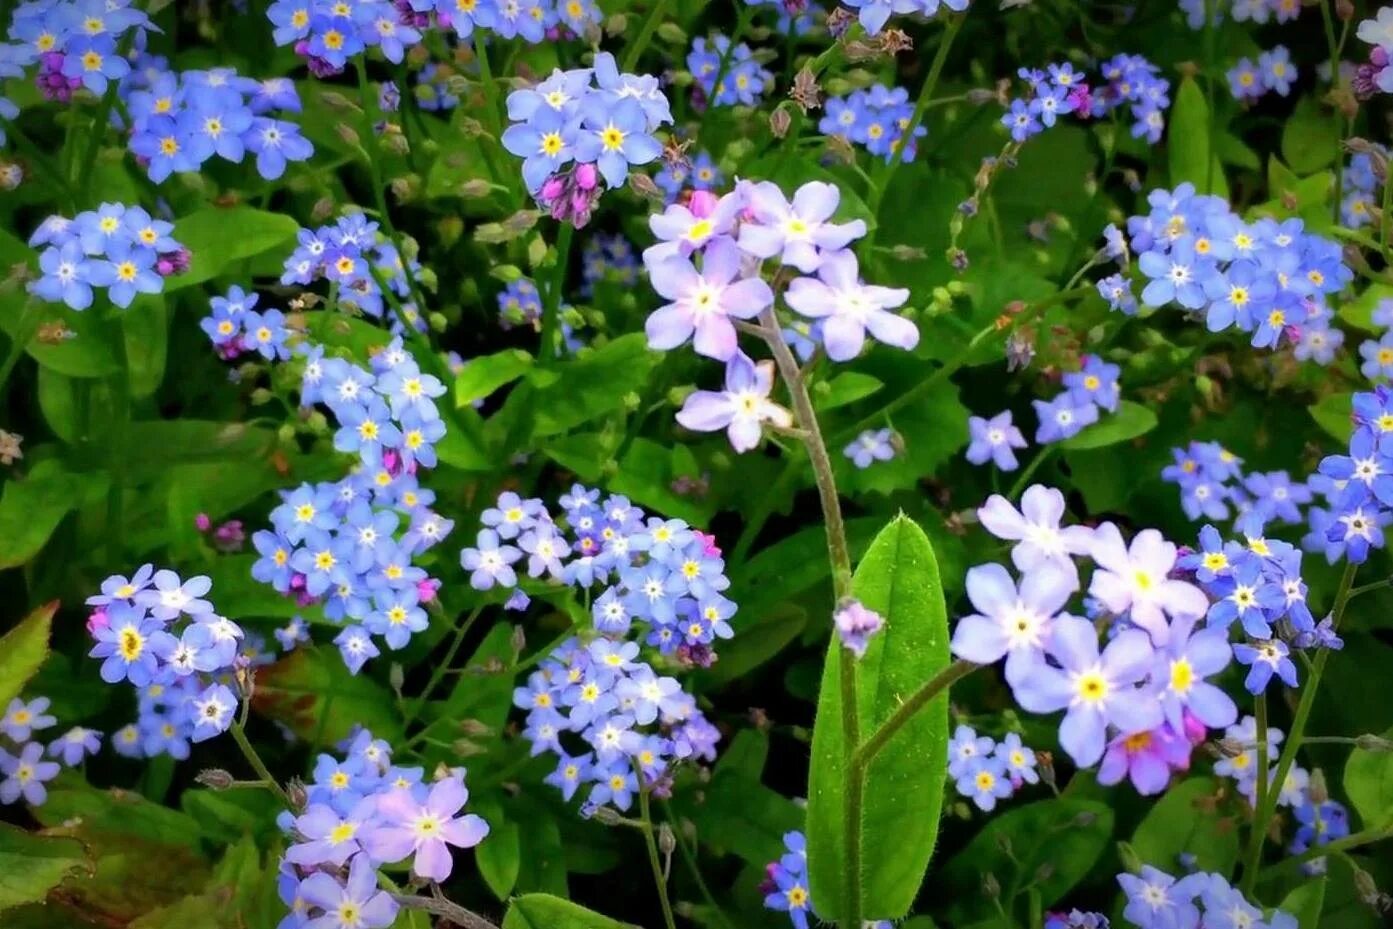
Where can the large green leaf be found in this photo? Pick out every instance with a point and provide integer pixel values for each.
(1310, 137)
(1333, 414)
(1130, 421)
(311, 691)
(543, 911)
(1305, 903)
(1050, 843)
(903, 794)
(32, 865)
(32, 507)
(23, 649)
(582, 389)
(482, 376)
(1191, 155)
(219, 236)
(1180, 823)
(1369, 785)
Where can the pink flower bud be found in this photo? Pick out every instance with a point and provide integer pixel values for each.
(703, 203)
(552, 188)
(97, 621)
(587, 177)
(202, 522)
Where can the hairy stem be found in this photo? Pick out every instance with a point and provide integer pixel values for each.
(1263, 815)
(443, 667)
(654, 860)
(650, 25)
(551, 302)
(439, 906)
(910, 708)
(239, 735)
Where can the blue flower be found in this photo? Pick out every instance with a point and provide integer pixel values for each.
(275, 142)
(615, 137)
(1062, 417)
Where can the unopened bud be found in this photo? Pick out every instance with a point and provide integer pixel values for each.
(518, 640)
(1044, 873)
(979, 96)
(286, 433)
(1003, 842)
(1085, 819)
(296, 793)
(467, 749)
(396, 677)
(607, 816)
(1373, 743)
(779, 122)
(474, 188)
(1229, 748)
(215, 779)
(1131, 862)
(667, 842)
(991, 887)
(1317, 789)
(474, 728)
(672, 33)
(347, 133)
(643, 185)
(1344, 9)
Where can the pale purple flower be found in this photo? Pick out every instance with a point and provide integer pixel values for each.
(993, 439)
(1146, 757)
(856, 625)
(684, 229)
(75, 744)
(798, 232)
(424, 828)
(1063, 417)
(211, 712)
(1136, 578)
(703, 302)
(871, 446)
(741, 409)
(1011, 624)
(1179, 676)
(21, 719)
(965, 749)
(25, 775)
(1035, 527)
(371, 908)
(491, 562)
(848, 308)
(1094, 689)
(172, 596)
(326, 837)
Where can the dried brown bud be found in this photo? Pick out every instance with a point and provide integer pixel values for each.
(1344, 9)
(779, 121)
(643, 185)
(839, 20)
(1317, 789)
(806, 91)
(475, 729)
(295, 791)
(215, 779)
(894, 41)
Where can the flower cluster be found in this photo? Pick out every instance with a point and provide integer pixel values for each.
(582, 127)
(1211, 479)
(659, 572)
(1130, 80)
(181, 119)
(1358, 486)
(709, 264)
(235, 327)
(158, 632)
(1362, 187)
(352, 255)
(1273, 72)
(625, 719)
(785, 885)
(350, 544)
(875, 118)
(74, 44)
(25, 772)
(1093, 387)
(1156, 899)
(519, 303)
(876, 13)
(1147, 685)
(871, 446)
(1375, 74)
(361, 813)
(122, 249)
(678, 175)
(327, 33)
(726, 76)
(607, 257)
(984, 770)
(1255, 11)
(1267, 278)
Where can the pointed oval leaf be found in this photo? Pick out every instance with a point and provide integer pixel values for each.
(903, 795)
(23, 649)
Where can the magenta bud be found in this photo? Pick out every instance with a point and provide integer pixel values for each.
(97, 621)
(552, 188)
(703, 203)
(202, 522)
(587, 178)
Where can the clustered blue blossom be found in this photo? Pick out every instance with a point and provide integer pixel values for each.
(796, 17)
(25, 771)
(870, 446)
(1129, 80)
(1357, 487)
(726, 76)
(351, 254)
(76, 44)
(985, 771)
(350, 545)
(181, 119)
(608, 257)
(1255, 11)
(159, 632)
(1267, 278)
(661, 573)
(361, 813)
(1211, 479)
(1157, 900)
(701, 173)
(432, 90)
(874, 14)
(623, 720)
(519, 303)
(122, 249)
(785, 885)
(1273, 72)
(876, 118)
(1362, 188)
(575, 136)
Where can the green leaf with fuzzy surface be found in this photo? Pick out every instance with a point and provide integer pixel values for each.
(542, 911)
(23, 649)
(1369, 785)
(903, 796)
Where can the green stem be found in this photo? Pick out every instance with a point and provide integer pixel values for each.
(747, 13)
(645, 35)
(551, 304)
(51, 170)
(654, 861)
(541, 654)
(1328, 20)
(492, 117)
(839, 556)
(239, 735)
(1338, 846)
(689, 858)
(1354, 592)
(1018, 487)
(1260, 725)
(120, 421)
(1263, 814)
(94, 145)
(910, 708)
(443, 667)
(29, 319)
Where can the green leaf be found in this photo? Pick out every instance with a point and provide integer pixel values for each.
(847, 387)
(1191, 155)
(32, 865)
(1182, 822)
(1360, 310)
(543, 911)
(1305, 903)
(1333, 413)
(1369, 785)
(584, 388)
(903, 794)
(310, 685)
(1130, 421)
(84, 352)
(482, 376)
(32, 507)
(203, 910)
(23, 649)
(145, 328)
(1057, 841)
(500, 857)
(217, 237)
(739, 814)
(1310, 137)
